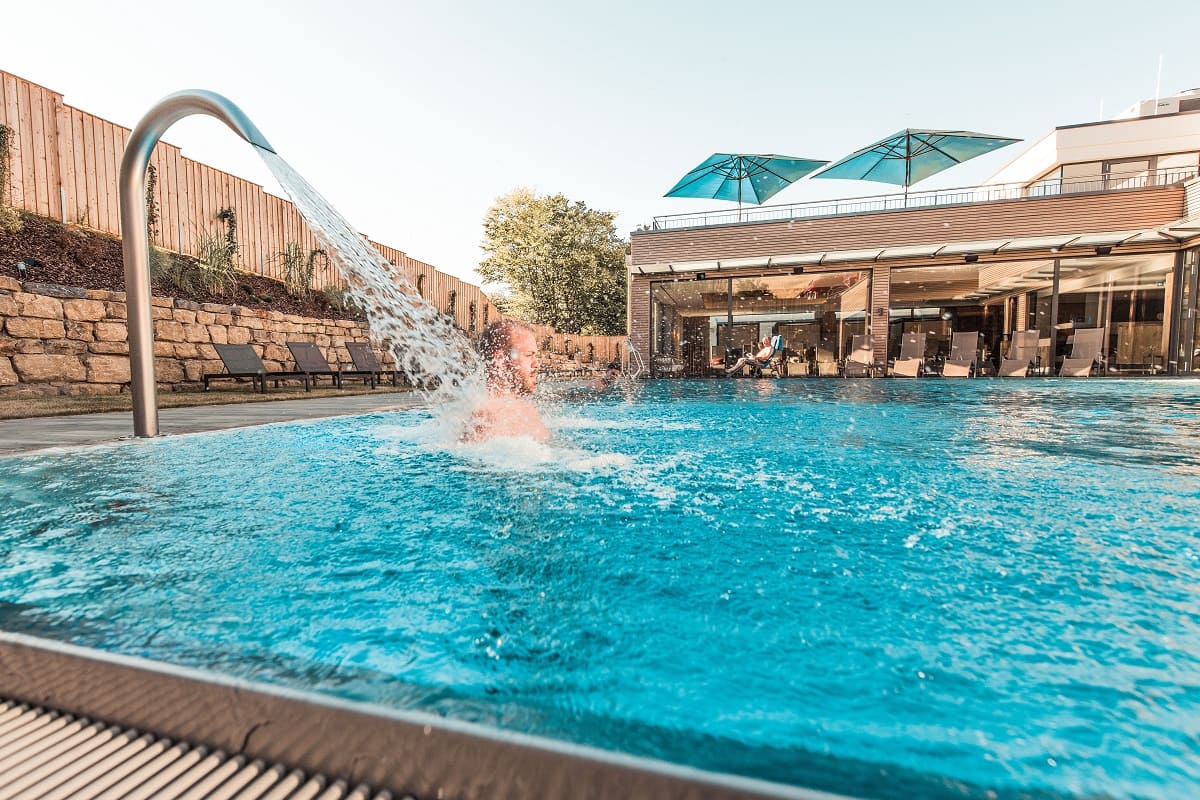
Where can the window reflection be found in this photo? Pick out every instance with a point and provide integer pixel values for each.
(702, 326)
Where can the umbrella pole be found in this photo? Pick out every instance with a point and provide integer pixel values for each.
(739, 201)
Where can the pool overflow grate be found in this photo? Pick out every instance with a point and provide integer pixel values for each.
(55, 756)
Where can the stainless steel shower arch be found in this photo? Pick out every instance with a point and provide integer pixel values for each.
(135, 242)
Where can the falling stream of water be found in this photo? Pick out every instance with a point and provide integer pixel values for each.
(435, 356)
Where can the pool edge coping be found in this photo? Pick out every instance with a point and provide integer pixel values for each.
(405, 752)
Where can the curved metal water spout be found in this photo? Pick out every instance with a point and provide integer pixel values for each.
(135, 242)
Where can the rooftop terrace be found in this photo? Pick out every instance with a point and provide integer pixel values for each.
(933, 198)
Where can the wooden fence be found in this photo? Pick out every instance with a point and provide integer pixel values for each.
(64, 165)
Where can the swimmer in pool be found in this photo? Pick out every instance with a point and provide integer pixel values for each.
(509, 353)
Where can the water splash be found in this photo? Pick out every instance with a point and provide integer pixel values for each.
(435, 355)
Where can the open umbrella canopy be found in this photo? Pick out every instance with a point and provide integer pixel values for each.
(744, 178)
(913, 155)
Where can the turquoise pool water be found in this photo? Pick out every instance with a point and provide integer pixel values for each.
(884, 588)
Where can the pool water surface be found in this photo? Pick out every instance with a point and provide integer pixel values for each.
(883, 588)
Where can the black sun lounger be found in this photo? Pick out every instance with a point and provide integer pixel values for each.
(365, 361)
(311, 361)
(242, 362)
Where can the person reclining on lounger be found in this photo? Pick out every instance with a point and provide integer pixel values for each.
(760, 359)
(509, 353)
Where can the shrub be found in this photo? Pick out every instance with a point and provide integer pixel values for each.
(170, 271)
(10, 220)
(343, 303)
(298, 270)
(216, 272)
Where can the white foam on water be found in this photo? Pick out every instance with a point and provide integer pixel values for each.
(442, 435)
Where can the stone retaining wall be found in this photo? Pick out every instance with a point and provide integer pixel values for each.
(65, 340)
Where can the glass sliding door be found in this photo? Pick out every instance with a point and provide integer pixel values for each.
(1187, 353)
(815, 313)
(938, 302)
(699, 327)
(1127, 298)
(684, 317)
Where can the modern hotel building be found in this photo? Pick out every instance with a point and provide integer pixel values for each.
(1093, 226)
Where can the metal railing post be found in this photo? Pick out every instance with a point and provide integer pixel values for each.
(135, 242)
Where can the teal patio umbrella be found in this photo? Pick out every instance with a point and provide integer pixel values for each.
(741, 177)
(913, 155)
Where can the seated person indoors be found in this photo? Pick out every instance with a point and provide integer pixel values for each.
(509, 353)
(759, 359)
(611, 373)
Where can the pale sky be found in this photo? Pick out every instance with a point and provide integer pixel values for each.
(413, 117)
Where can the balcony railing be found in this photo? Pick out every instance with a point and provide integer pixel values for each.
(933, 198)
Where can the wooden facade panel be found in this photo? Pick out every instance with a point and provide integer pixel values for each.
(66, 158)
(102, 140)
(1191, 203)
(52, 103)
(1113, 211)
(78, 211)
(881, 290)
(24, 128)
(90, 214)
(41, 141)
(639, 315)
(10, 115)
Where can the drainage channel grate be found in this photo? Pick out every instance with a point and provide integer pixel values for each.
(56, 756)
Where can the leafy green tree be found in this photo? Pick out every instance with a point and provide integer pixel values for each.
(563, 263)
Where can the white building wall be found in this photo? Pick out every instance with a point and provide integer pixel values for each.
(1106, 141)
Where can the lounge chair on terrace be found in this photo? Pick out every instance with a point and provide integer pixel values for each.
(964, 350)
(666, 366)
(911, 362)
(1022, 350)
(1086, 349)
(311, 361)
(827, 365)
(861, 361)
(365, 361)
(241, 361)
(774, 364)
(769, 357)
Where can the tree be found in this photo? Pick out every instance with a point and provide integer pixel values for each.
(563, 263)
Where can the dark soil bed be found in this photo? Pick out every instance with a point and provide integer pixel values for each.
(72, 257)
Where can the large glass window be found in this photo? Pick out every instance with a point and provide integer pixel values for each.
(1127, 298)
(1187, 357)
(701, 326)
(939, 302)
(1127, 173)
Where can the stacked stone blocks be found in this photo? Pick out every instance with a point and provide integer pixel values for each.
(66, 340)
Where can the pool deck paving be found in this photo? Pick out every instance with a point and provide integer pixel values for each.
(38, 433)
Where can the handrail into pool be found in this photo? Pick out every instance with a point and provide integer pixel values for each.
(135, 243)
(405, 753)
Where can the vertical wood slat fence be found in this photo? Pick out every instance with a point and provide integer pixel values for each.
(64, 165)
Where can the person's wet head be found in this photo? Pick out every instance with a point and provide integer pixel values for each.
(611, 373)
(509, 352)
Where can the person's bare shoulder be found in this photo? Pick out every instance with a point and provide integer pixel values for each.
(505, 416)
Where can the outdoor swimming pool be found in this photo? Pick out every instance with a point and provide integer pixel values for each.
(883, 588)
